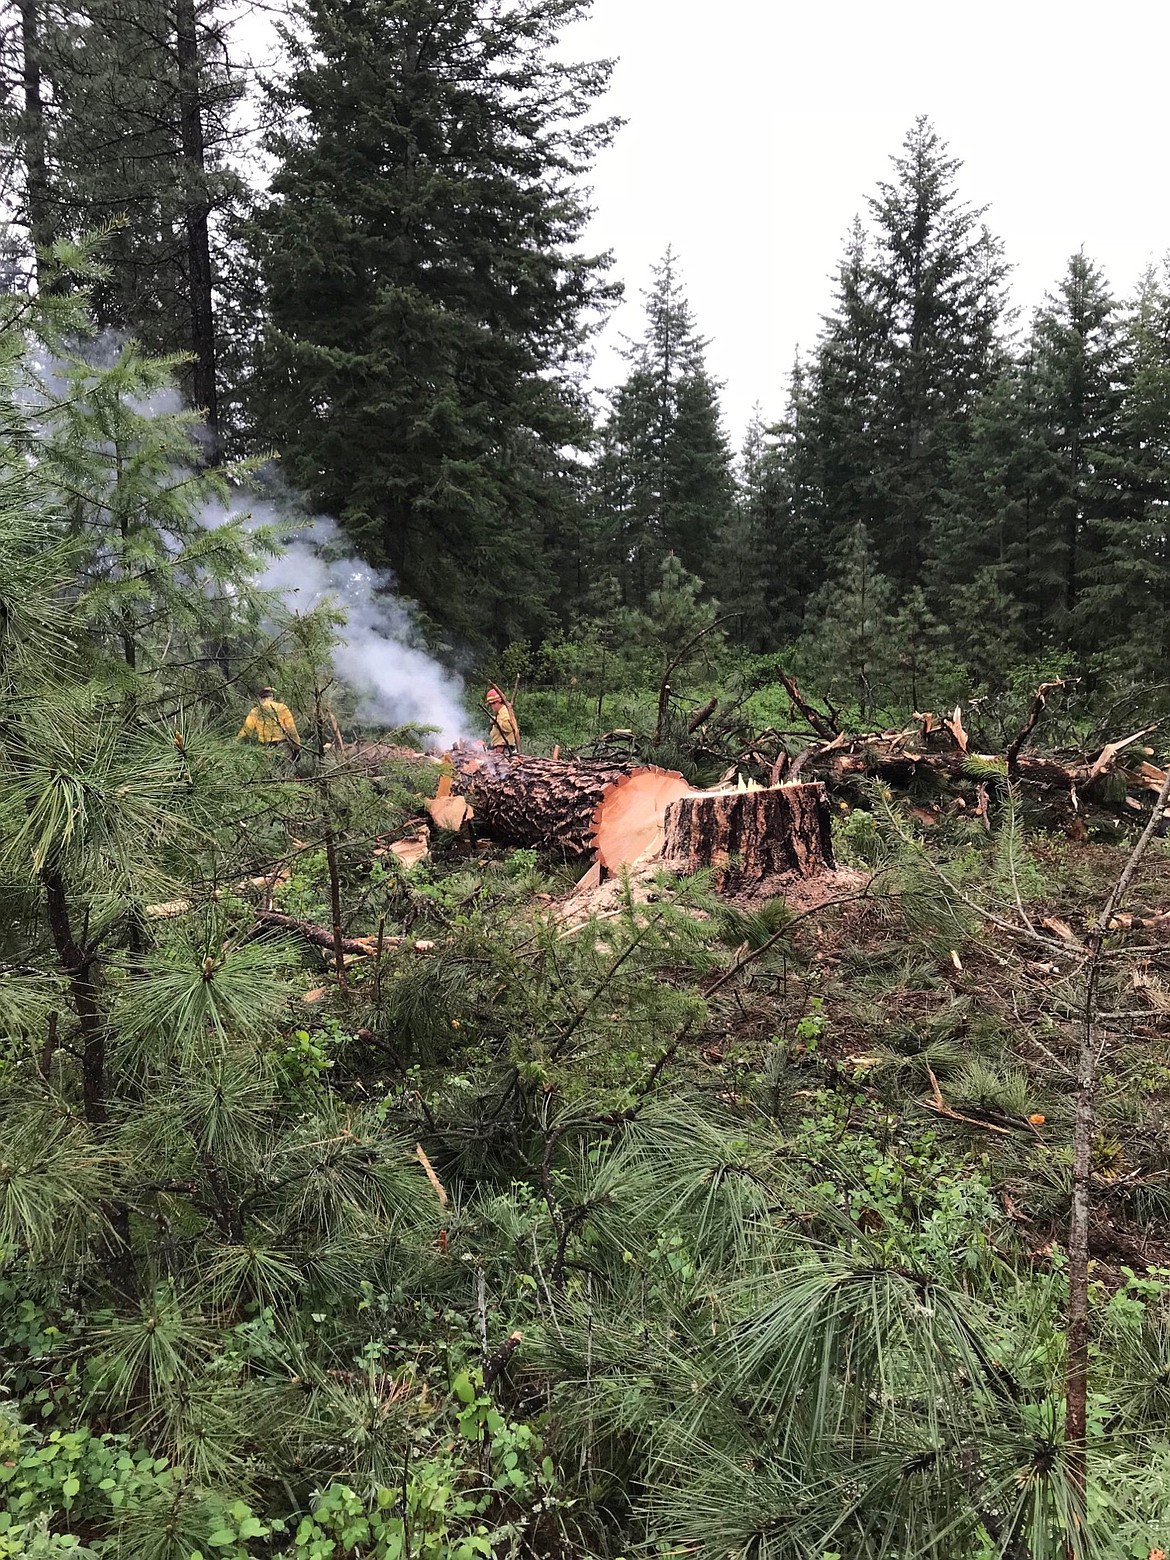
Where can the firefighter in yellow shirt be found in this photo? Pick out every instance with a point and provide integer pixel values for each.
(505, 733)
(271, 722)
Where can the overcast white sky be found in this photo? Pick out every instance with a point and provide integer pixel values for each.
(756, 129)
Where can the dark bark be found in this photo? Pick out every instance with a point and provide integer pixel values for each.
(196, 218)
(551, 804)
(752, 835)
(79, 964)
(498, 1361)
(36, 171)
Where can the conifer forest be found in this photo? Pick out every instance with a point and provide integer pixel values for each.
(708, 1099)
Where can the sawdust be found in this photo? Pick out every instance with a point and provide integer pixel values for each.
(648, 881)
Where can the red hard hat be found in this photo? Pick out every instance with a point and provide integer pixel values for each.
(494, 694)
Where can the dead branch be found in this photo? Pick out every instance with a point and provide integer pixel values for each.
(823, 725)
(1037, 706)
(702, 715)
(320, 936)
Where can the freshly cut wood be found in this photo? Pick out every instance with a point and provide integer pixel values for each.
(410, 851)
(449, 812)
(750, 835)
(630, 818)
(572, 808)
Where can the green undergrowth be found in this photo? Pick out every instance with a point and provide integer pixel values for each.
(754, 1294)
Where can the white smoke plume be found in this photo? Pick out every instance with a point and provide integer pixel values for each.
(378, 651)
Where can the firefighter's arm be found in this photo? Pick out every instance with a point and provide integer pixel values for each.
(512, 729)
(250, 725)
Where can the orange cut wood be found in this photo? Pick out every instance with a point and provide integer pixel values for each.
(629, 820)
(450, 812)
(569, 807)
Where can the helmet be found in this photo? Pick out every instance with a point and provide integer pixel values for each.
(494, 696)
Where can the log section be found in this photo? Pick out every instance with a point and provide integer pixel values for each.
(784, 831)
(611, 812)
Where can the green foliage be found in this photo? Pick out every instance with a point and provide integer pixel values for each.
(438, 251)
(662, 479)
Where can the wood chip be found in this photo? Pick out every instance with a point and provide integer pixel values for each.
(412, 850)
(1062, 929)
(450, 812)
(957, 729)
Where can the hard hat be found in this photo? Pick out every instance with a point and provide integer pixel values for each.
(267, 693)
(494, 696)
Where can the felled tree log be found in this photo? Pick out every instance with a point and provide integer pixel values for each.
(899, 765)
(783, 831)
(611, 812)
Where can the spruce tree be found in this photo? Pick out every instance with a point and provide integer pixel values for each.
(1081, 384)
(427, 298)
(912, 341)
(664, 476)
(995, 570)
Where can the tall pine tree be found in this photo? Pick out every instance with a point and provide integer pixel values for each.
(664, 475)
(912, 341)
(428, 302)
(123, 115)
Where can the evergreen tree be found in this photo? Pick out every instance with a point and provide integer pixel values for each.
(1124, 605)
(912, 341)
(664, 475)
(996, 564)
(124, 122)
(740, 574)
(427, 299)
(1081, 382)
(851, 647)
(938, 289)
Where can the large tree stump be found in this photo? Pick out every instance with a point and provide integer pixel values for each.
(750, 836)
(611, 812)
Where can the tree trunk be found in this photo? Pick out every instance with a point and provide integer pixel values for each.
(78, 964)
(196, 215)
(613, 812)
(748, 836)
(900, 767)
(36, 171)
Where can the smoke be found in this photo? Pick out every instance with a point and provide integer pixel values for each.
(378, 652)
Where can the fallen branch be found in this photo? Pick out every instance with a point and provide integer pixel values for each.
(937, 1104)
(1037, 707)
(702, 715)
(821, 724)
(321, 936)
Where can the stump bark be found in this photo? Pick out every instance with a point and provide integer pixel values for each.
(611, 812)
(748, 836)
